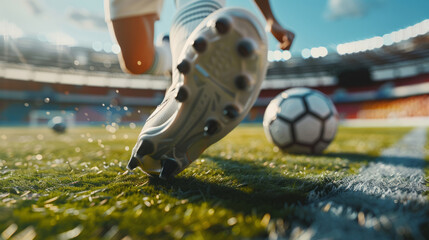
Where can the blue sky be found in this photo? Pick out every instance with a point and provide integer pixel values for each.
(315, 22)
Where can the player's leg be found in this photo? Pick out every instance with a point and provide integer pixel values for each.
(220, 59)
(135, 37)
(131, 23)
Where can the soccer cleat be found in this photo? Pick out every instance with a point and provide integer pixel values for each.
(218, 78)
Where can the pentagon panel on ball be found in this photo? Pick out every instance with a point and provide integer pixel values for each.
(301, 120)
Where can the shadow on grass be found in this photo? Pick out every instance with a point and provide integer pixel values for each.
(352, 157)
(250, 188)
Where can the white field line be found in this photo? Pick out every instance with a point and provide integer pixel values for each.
(390, 122)
(383, 201)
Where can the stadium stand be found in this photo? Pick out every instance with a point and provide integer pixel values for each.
(40, 76)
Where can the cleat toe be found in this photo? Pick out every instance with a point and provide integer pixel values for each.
(133, 163)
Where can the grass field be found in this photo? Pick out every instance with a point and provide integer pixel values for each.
(76, 184)
(426, 169)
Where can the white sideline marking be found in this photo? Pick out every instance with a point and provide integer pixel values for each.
(383, 201)
(393, 122)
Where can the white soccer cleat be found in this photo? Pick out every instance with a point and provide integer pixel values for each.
(217, 81)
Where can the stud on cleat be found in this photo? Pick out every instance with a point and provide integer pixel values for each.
(241, 82)
(222, 25)
(182, 94)
(230, 111)
(145, 148)
(200, 45)
(184, 67)
(245, 48)
(133, 163)
(211, 127)
(169, 167)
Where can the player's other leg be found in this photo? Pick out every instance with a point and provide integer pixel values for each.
(220, 63)
(131, 22)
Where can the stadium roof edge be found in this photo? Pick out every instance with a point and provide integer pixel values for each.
(77, 77)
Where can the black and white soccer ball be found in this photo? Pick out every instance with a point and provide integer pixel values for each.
(301, 120)
(57, 124)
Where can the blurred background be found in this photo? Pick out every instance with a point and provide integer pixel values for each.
(370, 57)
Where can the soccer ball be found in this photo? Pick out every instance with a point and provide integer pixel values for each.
(57, 124)
(301, 120)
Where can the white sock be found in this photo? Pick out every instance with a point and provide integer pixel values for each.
(190, 13)
(162, 62)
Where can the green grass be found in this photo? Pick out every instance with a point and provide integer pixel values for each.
(76, 184)
(426, 168)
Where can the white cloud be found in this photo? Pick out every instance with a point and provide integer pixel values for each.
(87, 20)
(61, 38)
(34, 7)
(338, 9)
(10, 29)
